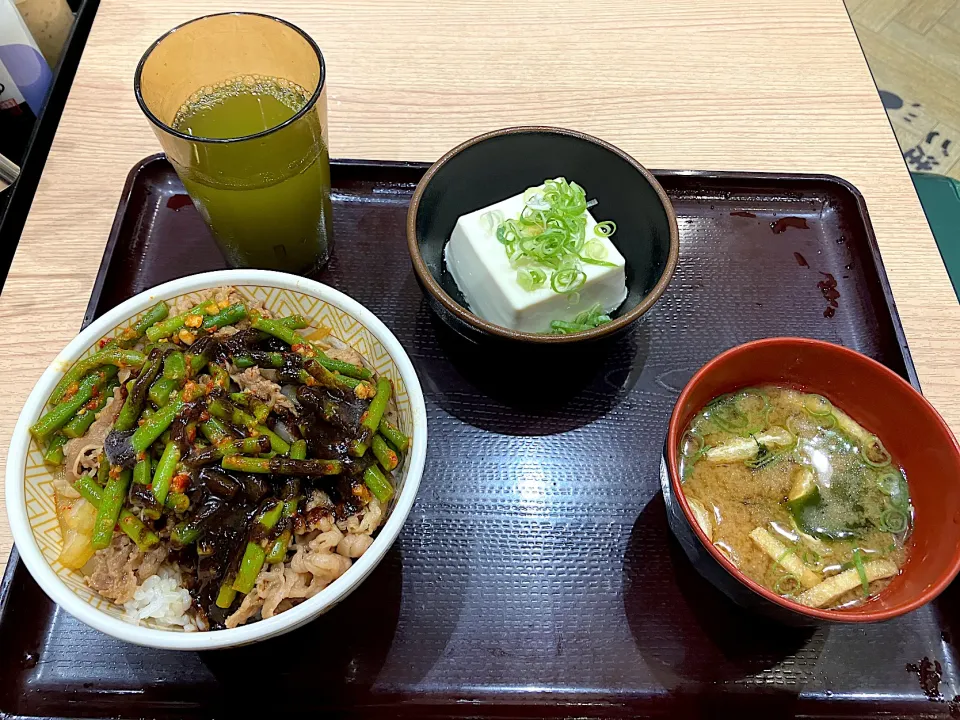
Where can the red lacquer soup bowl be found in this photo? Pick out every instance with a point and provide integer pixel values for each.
(880, 400)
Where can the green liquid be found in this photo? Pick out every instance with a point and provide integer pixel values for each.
(239, 109)
(266, 198)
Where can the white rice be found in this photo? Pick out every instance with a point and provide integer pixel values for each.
(162, 599)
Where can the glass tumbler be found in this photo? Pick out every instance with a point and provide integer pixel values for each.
(264, 193)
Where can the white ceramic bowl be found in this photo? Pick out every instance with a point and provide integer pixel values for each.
(28, 480)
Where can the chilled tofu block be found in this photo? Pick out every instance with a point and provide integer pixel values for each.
(483, 272)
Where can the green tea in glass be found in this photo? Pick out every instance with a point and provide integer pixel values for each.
(239, 104)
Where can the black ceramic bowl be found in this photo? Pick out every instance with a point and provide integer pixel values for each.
(503, 163)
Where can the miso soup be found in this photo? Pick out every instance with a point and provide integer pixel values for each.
(798, 495)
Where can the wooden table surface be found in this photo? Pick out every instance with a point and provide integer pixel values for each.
(698, 84)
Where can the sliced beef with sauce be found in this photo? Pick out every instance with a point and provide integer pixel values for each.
(253, 381)
(116, 571)
(80, 454)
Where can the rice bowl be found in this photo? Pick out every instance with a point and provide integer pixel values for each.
(158, 600)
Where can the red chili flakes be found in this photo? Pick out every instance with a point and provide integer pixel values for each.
(191, 433)
(204, 416)
(71, 390)
(115, 472)
(180, 482)
(103, 343)
(191, 391)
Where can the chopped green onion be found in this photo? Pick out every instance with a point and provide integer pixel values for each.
(594, 253)
(586, 320)
(491, 220)
(760, 401)
(861, 571)
(874, 453)
(601, 263)
(595, 250)
(894, 520)
(729, 417)
(561, 327)
(551, 235)
(826, 421)
(787, 585)
(817, 405)
(719, 400)
(889, 482)
(531, 278)
(893, 484)
(592, 315)
(798, 426)
(605, 229)
(533, 197)
(568, 280)
(784, 554)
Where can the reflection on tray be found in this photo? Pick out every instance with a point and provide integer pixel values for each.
(538, 555)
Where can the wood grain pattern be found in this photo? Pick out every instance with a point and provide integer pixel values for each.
(921, 15)
(952, 18)
(889, 52)
(939, 45)
(875, 14)
(737, 85)
(914, 52)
